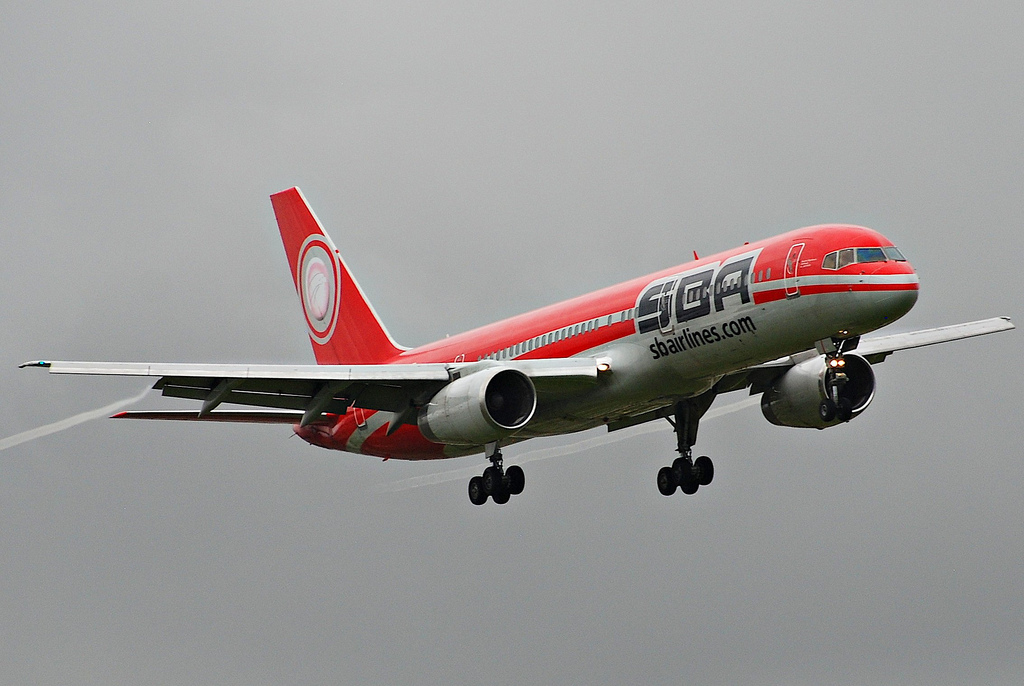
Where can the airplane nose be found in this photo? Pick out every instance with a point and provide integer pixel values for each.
(902, 298)
(898, 303)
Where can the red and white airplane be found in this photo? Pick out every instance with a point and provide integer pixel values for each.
(783, 317)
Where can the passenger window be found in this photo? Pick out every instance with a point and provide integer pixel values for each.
(830, 261)
(845, 257)
(894, 254)
(870, 255)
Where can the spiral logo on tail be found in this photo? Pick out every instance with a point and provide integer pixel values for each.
(319, 283)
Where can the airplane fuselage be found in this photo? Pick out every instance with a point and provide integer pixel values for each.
(669, 335)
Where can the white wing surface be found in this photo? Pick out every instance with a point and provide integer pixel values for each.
(313, 390)
(878, 348)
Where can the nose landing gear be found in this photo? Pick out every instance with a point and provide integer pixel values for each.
(496, 482)
(835, 405)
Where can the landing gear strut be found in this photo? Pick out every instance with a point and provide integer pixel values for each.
(686, 473)
(835, 406)
(496, 482)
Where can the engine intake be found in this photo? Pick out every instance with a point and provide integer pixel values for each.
(796, 397)
(479, 408)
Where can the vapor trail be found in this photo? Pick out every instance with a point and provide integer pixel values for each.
(47, 429)
(557, 451)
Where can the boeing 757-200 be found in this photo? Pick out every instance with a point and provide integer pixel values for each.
(786, 317)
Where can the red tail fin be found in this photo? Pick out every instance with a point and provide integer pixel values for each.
(343, 326)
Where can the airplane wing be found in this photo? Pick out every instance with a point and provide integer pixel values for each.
(309, 391)
(759, 377)
(874, 350)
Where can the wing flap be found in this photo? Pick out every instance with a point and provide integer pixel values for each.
(226, 416)
(311, 372)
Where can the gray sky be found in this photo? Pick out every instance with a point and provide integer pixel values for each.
(473, 162)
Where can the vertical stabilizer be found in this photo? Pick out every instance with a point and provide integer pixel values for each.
(343, 326)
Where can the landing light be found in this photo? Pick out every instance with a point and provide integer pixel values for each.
(836, 362)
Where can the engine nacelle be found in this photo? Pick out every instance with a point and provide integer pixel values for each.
(796, 397)
(479, 408)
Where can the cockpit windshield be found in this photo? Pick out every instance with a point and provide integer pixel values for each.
(844, 258)
(870, 255)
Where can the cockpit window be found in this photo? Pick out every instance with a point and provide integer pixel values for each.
(893, 253)
(844, 258)
(870, 255)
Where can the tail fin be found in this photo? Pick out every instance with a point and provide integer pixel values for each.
(343, 326)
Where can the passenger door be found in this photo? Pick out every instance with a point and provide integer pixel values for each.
(792, 266)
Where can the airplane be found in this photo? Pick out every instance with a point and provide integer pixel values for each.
(783, 317)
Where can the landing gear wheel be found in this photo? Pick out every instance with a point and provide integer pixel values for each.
(689, 484)
(667, 481)
(845, 410)
(516, 479)
(477, 494)
(501, 497)
(685, 475)
(826, 411)
(705, 469)
(492, 481)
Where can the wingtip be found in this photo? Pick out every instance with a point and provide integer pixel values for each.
(119, 415)
(34, 363)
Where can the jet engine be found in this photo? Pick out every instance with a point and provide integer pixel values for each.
(820, 392)
(479, 408)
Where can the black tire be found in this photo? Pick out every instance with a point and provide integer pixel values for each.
(501, 497)
(845, 410)
(492, 481)
(689, 484)
(516, 479)
(826, 411)
(667, 481)
(705, 469)
(477, 494)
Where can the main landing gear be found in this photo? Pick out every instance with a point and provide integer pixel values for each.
(497, 483)
(686, 473)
